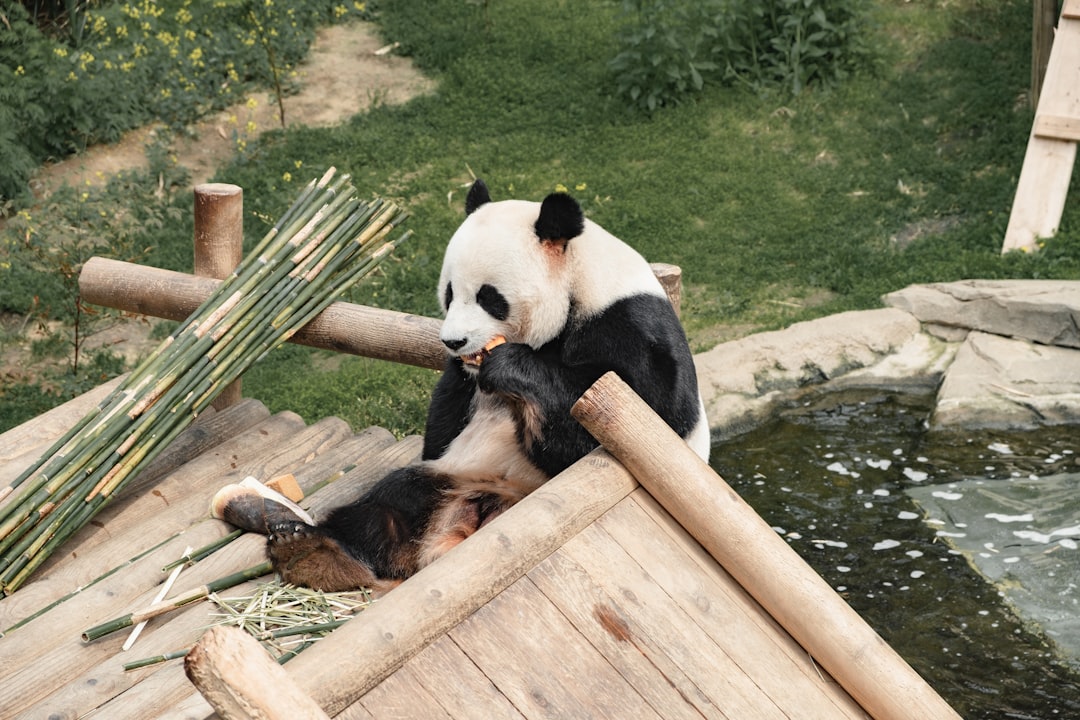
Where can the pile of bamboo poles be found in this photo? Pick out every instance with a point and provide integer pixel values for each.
(323, 244)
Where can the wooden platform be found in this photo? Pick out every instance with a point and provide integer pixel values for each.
(628, 618)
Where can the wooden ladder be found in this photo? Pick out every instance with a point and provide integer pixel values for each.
(1051, 150)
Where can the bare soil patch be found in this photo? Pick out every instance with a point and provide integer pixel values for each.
(348, 70)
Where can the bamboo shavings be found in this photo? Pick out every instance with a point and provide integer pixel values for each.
(289, 618)
(285, 618)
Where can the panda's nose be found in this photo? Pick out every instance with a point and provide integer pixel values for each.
(455, 344)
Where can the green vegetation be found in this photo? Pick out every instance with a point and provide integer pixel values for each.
(90, 70)
(779, 207)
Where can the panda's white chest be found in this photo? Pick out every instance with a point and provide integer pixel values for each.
(487, 452)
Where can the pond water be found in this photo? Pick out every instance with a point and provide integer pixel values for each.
(835, 476)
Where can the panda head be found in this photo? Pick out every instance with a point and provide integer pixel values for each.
(505, 274)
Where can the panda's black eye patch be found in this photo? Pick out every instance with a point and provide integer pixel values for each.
(448, 296)
(493, 302)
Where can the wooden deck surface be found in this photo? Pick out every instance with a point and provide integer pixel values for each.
(629, 618)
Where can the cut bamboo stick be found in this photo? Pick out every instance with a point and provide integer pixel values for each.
(759, 559)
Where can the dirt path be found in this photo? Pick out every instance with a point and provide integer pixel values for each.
(347, 71)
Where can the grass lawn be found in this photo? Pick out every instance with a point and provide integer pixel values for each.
(778, 208)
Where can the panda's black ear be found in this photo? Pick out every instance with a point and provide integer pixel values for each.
(560, 218)
(478, 195)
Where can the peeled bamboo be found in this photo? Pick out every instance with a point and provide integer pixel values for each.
(324, 243)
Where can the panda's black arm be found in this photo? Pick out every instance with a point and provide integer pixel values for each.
(449, 410)
(639, 337)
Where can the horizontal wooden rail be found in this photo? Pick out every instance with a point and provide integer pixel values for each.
(759, 559)
(344, 327)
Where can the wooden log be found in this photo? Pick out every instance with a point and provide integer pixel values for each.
(345, 327)
(240, 679)
(382, 638)
(219, 247)
(762, 562)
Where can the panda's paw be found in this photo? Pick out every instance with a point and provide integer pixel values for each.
(506, 370)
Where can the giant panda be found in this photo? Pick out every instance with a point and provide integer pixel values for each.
(539, 302)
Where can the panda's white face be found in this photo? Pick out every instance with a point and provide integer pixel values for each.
(499, 281)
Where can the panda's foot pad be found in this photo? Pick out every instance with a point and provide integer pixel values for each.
(304, 556)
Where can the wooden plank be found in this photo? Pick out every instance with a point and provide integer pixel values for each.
(401, 697)
(445, 592)
(642, 652)
(1057, 127)
(461, 688)
(1071, 10)
(543, 665)
(724, 611)
(1048, 162)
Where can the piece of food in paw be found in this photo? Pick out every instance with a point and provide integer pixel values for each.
(478, 357)
(251, 506)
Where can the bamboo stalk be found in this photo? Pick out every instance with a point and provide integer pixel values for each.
(186, 598)
(323, 243)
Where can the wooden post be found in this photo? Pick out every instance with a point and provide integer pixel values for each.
(1044, 15)
(242, 682)
(670, 277)
(219, 246)
(759, 559)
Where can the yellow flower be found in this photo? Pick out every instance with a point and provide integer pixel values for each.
(250, 127)
(195, 55)
(287, 177)
(298, 163)
(233, 120)
(360, 7)
(20, 70)
(60, 51)
(340, 10)
(166, 92)
(252, 103)
(580, 186)
(560, 188)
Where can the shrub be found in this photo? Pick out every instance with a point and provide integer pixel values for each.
(672, 47)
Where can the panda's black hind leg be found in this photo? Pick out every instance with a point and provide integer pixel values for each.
(372, 542)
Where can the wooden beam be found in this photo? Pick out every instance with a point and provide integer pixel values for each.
(344, 327)
(1057, 127)
(759, 559)
(242, 682)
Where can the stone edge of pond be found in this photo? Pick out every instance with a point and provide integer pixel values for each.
(1003, 354)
